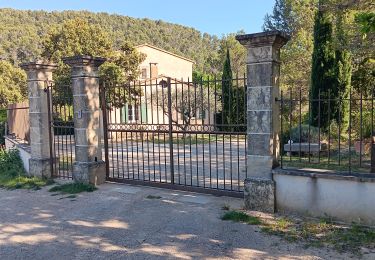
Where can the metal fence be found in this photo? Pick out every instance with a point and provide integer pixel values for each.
(61, 135)
(328, 132)
(186, 134)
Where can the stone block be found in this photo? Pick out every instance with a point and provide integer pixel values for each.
(259, 194)
(305, 147)
(260, 144)
(87, 136)
(260, 166)
(87, 153)
(263, 74)
(259, 122)
(89, 172)
(40, 167)
(259, 98)
(260, 54)
(259, 74)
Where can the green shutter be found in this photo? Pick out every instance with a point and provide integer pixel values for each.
(144, 113)
(124, 115)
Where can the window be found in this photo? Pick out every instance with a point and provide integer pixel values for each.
(144, 73)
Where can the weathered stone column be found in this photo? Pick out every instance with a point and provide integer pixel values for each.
(38, 73)
(263, 71)
(88, 166)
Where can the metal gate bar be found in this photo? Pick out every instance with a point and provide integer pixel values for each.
(176, 134)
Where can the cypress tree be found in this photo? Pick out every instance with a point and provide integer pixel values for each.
(343, 73)
(323, 73)
(227, 84)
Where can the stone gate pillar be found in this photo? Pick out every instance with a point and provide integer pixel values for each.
(38, 74)
(263, 124)
(88, 166)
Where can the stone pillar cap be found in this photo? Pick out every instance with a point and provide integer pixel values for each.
(38, 65)
(271, 38)
(84, 60)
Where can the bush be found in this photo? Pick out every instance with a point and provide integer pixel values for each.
(13, 175)
(11, 163)
(308, 134)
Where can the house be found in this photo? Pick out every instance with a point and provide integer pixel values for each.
(147, 100)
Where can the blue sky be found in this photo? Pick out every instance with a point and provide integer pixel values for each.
(212, 16)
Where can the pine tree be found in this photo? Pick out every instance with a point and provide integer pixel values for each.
(227, 84)
(280, 18)
(323, 73)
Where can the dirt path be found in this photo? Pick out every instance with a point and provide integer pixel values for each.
(120, 222)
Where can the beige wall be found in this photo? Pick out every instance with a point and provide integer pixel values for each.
(168, 64)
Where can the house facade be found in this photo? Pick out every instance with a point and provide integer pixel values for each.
(150, 107)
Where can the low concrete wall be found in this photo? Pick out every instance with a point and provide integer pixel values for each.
(22, 147)
(347, 198)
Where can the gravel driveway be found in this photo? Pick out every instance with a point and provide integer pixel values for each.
(120, 222)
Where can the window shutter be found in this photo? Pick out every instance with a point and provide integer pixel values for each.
(144, 113)
(125, 114)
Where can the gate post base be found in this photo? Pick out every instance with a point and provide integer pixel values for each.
(40, 167)
(89, 172)
(259, 194)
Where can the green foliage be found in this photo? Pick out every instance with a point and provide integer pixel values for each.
(13, 175)
(3, 115)
(73, 188)
(367, 22)
(343, 59)
(3, 121)
(12, 84)
(22, 33)
(323, 78)
(280, 19)
(75, 37)
(239, 216)
(227, 86)
(295, 18)
(79, 37)
(302, 133)
(364, 77)
(238, 53)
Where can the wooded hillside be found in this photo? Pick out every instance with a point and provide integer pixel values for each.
(21, 33)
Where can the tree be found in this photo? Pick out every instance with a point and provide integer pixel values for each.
(280, 19)
(13, 86)
(189, 102)
(323, 73)
(238, 53)
(295, 18)
(78, 37)
(343, 72)
(227, 92)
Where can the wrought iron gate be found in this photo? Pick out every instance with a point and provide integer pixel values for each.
(61, 131)
(188, 135)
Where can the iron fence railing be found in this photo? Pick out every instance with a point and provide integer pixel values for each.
(62, 148)
(327, 131)
(189, 133)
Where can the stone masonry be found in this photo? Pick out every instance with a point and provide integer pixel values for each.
(38, 75)
(263, 71)
(88, 166)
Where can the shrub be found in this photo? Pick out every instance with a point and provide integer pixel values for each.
(308, 134)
